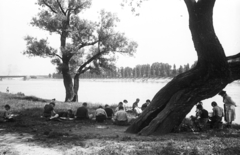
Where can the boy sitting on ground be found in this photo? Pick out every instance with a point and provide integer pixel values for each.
(109, 111)
(120, 117)
(7, 115)
(201, 122)
(82, 112)
(48, 111)
(100, 114)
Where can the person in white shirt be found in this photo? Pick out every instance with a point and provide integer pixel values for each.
(120, 117)
(100, 114)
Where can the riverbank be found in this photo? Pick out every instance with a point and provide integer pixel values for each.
(31, 134)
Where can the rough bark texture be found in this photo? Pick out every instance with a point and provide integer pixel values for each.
(211, 74)
(76, 87)
(67, 79)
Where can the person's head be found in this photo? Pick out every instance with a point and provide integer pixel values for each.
(148, 101)
(137, 99)
(120, 104)
(7, 107)
(222, 93)
(214, 103)
(100, 107)
(53, 99)
(106, 106)
(120, 108)
(199, 107)
(125, 101)
(52, 104)
(85, 104)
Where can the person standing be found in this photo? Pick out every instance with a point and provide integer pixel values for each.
(229, 108)
(7, 90)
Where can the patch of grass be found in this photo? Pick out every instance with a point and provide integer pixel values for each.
(84, 136)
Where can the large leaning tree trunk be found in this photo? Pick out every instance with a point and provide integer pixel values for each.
(211, 74)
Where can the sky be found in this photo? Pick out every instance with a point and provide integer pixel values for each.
(161, 31)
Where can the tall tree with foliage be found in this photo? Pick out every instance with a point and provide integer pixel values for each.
(73, 59)
(211, 74)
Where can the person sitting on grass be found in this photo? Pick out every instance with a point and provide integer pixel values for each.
(120, 117)
(120, 104)
(137, 111)
(67, 115)
(145, 105)
(7, 115)
(82, 112)
(217, 115)
(109, 111)
(135, 104)
(100, 114)
(201, 122)
(48, 111)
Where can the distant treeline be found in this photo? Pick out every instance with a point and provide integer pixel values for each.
(156, 70)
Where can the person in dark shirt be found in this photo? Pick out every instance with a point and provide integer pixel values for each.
(48, 111)
(145, 105)
(135, 104)
(109, 112)
(201, 122)
(82, 112)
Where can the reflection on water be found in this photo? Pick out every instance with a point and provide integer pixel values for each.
(109, 91)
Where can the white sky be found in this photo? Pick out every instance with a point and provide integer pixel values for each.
(161, 32)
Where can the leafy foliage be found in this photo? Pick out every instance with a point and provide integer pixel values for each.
(38, 48)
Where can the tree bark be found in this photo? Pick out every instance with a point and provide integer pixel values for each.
(211, 74)
(76, 87)
(67, 78)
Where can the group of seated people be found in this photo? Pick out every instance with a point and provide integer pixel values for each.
(202, 117)
(119, 116)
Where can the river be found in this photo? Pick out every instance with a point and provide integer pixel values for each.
(108, 91)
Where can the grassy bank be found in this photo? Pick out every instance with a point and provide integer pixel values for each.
(31, 134)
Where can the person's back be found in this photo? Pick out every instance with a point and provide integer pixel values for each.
(101, 111)
(218, 111)
(82, 113)
(204, 114)
(121, 115)
(109, 111)
(100, 114)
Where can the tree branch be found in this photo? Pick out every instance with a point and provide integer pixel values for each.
(234, 68)
(87, 44)
(49, 7)
(61, 7)
(56, 55)
(86, 69)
